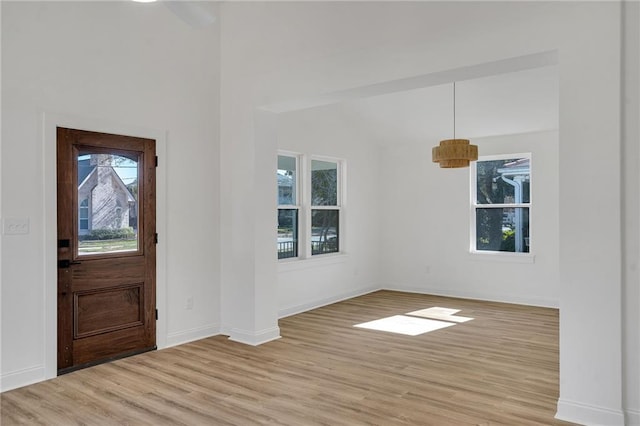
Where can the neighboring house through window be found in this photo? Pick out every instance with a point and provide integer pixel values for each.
(105, 202)
(501, 203)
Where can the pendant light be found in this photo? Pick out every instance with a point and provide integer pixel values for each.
(454, 153)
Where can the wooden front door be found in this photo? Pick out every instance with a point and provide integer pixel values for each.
(106, 247)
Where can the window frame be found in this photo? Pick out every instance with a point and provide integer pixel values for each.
(474, 206)
(337, 207)
(297, 193)
(305, 208)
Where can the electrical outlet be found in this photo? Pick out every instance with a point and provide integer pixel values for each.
(189, 303)
(15, 225)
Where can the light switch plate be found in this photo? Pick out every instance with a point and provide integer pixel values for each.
(15, 225)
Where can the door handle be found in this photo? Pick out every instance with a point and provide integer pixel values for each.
(63, 264)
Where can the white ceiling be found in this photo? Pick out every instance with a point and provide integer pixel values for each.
(516, 102)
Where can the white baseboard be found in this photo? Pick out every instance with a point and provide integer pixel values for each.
(591, 415)
(632, 417)
(20, 378)
(254, 338)
(186, 336)
(297, 309)
(502, 298)
(29, 376)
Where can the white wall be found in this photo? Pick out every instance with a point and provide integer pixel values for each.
(590, 262)
(110, 66)
(292, 51)
(1, 180)
(303, 284)
(426, 226)
(631, 211)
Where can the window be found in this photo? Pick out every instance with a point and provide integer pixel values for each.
(83, 216)
(288, 207)
(501, 203)
(309, 206)
(325, 209)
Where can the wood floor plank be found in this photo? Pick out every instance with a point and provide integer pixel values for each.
(500, 368)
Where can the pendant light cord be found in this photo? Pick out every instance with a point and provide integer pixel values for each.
(454, 110)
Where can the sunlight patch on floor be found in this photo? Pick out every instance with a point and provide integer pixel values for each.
(402, 324)
(437, 313)
(417, 322)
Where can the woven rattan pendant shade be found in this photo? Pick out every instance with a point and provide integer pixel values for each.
(454, 153)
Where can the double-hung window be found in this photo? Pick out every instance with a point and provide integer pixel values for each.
(325, 207)
(501, 203)
(309, 205)
(288, 206)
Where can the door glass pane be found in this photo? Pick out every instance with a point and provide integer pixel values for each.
(324, 183)
(107, 203)
(324, 231)
(502, 229)
(287, 233)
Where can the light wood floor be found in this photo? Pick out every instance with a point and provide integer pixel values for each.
(501, 368)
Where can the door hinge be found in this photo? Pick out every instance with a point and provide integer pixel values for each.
(156, 314)
(156, 161)
(155, 238)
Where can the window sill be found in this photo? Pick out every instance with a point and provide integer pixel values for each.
(496, 256)
(295, 264)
